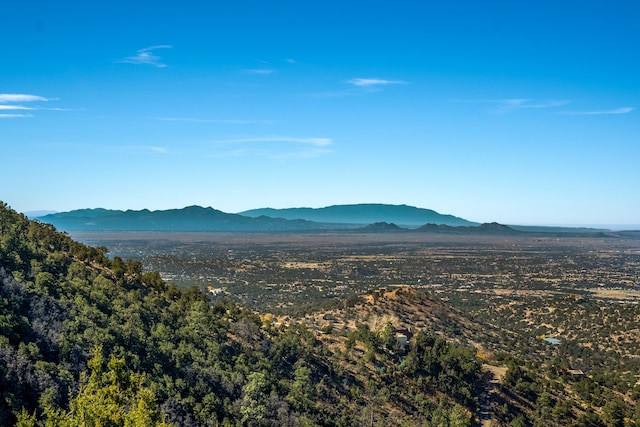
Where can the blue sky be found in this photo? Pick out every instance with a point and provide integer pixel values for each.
(516, 112)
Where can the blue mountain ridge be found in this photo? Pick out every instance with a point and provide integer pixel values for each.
(197, 218)
(363, 214)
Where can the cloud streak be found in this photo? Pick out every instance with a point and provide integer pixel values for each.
(359, 86)
(622, 110)
(14, 101)
(318, 142)
(278, 147)
(157, 149)
(301, 155)
(147, 57)
(20, 97)
(509, 105)
(371, 82)
(260, 71)
(214, 121)
(15, 107)
(13, 116)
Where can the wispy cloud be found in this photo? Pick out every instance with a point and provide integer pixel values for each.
(260, 71)
(359, 86)
(214, 121)
(304, 154)
(267, 68)
(319, 142)
(155, 149)
(20, 97)
(509, 105)
(147, 57)
(133, 149)
(504, 106)
(622, 110)
(14, 101)
(369, 82)
(13, 116)
(278, 147)
(15, 107)
(335, 94)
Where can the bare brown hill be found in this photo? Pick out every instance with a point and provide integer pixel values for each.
(408, 309)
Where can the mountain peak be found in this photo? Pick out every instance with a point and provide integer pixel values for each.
(382, 227)
(364, 214)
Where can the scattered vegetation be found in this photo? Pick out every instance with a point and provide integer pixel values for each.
(316, 331)
(88, 340)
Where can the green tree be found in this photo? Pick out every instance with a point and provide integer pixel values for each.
(111, 397)
(613, 413)
(543, 404)
(254, 409)
(302, 392)
(562, 411)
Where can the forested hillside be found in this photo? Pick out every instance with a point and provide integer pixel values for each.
(88, 340)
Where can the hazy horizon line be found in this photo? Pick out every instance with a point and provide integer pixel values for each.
(37, 213)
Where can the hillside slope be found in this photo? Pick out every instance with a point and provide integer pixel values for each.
(88, 339)
(408, 309)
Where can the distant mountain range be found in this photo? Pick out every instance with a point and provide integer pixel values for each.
(489, 228)
(196, 218)
(367, 218)
(364, 214)
(192, 218)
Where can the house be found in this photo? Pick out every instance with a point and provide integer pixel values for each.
(402, 339)
(403, 336)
